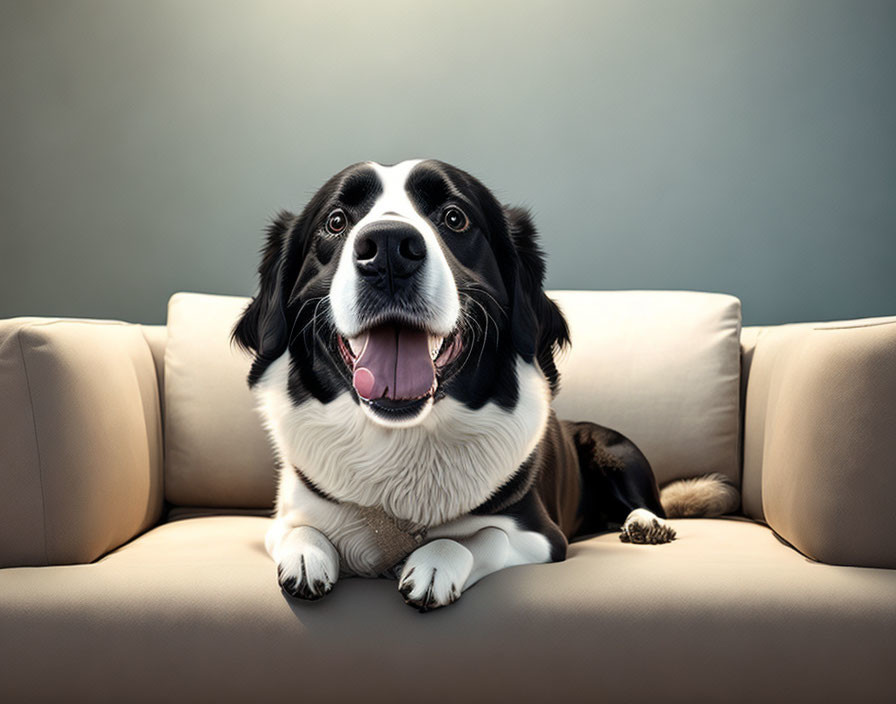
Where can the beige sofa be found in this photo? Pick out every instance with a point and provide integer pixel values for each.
(135, 482)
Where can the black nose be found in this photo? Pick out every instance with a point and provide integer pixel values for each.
(388, 252)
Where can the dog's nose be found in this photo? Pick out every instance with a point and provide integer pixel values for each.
(389, 251)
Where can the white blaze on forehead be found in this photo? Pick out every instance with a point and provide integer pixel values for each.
(394, 197)
(438, 292)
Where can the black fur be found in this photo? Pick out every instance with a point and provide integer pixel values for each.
(539, 328)
(263, 327)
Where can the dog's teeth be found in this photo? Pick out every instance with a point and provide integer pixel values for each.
(435, 344)
(358, 343)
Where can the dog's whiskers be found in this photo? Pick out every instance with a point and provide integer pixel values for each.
(292, 333)
(313, 322)
(470, 288)
(478, 329)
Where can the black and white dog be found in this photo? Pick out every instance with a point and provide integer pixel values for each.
(404, 368)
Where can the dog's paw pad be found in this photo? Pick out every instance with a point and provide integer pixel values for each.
(643, 528)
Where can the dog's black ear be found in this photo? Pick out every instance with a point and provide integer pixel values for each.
(262, 328)
(538, 328)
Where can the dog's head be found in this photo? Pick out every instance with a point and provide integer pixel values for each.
(402, 285)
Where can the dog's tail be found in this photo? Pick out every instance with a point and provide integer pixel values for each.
(701, 497)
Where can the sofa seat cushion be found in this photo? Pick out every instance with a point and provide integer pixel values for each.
(191, 611)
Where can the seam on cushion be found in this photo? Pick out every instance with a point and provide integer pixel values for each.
(80, 321)
(761, 332)
(793, 547)
(740, 408)
(858, 327)
(40, 466)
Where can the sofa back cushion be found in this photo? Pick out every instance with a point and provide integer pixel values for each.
(661, 367)
(216, 451)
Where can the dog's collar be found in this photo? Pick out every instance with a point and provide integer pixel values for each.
(396, 537)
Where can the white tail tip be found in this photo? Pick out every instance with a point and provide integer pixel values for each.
(701, 497)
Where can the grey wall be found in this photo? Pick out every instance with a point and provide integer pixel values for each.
(746, 147)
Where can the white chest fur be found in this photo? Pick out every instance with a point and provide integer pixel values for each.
(429, 473)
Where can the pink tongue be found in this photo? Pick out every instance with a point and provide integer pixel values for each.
(395, 364)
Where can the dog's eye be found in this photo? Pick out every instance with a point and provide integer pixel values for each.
(337, 222)
(456, 219)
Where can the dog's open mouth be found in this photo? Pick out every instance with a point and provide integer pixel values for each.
(395, 368)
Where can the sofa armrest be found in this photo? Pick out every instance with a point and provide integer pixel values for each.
(80, 439)
(820, 439)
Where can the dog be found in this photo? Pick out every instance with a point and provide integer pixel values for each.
(404, 366)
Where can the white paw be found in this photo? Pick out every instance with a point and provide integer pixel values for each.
(434, 575)
(307, 563)
(643, 527)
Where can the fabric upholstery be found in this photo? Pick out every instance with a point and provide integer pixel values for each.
(191, 611)
(156, 337)
(819, 439)
(80, 432)
(676, 396)
(216, 451)
(661, 367)
(750, 489)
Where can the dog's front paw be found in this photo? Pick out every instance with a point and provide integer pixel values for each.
(307, 564)
(434, 575)
(643, 527)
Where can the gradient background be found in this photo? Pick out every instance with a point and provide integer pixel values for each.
(743, 147)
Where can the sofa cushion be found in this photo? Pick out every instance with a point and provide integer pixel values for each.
(660, 366)
(80, 439)
(191, 611)
(216, 451)
(663, 368)
(819, 438)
